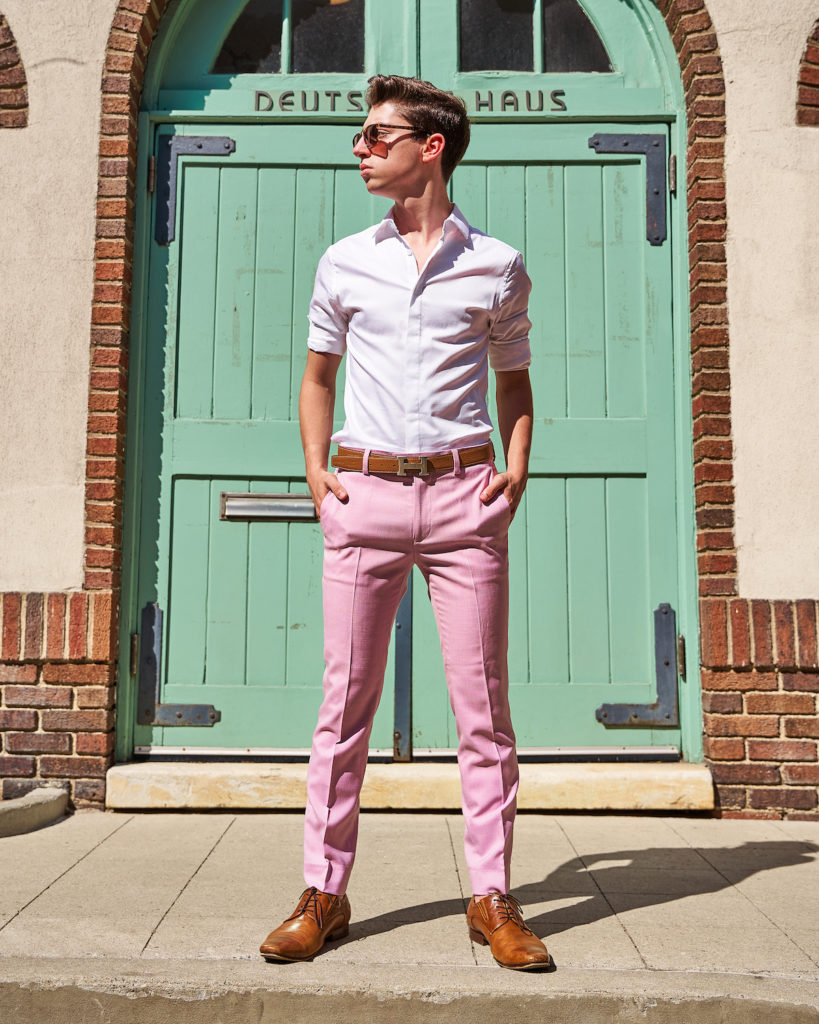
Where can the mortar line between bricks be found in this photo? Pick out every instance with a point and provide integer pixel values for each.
(185, 886)
(744, 895)
(613, 912)
(62, 874)
(460, 883)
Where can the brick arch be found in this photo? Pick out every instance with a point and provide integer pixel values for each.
(807, 96)
(691, 30)
(13, 84)
(759, 658)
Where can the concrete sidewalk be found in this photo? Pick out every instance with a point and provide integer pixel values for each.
(153, 917)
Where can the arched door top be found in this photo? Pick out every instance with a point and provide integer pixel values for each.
(515, 59)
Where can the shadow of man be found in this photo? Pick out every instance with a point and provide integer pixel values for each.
(650, 877)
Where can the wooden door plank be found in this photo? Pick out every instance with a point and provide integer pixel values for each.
(186, 611)
(267, 573)
(272, 320)
(198, 247)
(315, 198)
(584, 300)
(624, 205)
(468, 186)
(630, 617)
(587, 580)
(546, 264)
(235, 293)
(548, 610)
(227, 591)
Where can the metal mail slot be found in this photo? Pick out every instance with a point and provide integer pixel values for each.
(287, 508)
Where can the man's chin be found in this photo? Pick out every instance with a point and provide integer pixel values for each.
(377, 188)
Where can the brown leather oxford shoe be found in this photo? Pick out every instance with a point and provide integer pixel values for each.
(318, 918)
(497, 919)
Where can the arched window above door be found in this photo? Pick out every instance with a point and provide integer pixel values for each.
(528, 35)
(297, 36)
(229, 57)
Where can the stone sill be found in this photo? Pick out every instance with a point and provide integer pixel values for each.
(409, 787)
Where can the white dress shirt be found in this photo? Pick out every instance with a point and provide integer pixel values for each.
(418, 344)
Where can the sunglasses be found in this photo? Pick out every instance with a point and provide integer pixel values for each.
(371, 135)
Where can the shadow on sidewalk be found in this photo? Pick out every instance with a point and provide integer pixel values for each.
(672, 873)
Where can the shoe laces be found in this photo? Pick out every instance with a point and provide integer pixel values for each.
(309, 904)
(509, 910)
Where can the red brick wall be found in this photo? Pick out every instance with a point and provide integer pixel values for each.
(13, 88)
(807, 96)
(759, 667)
(57, 692)
(58, 651)
(760, 685)
(73, 660)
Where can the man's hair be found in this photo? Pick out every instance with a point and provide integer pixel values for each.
(430, 109)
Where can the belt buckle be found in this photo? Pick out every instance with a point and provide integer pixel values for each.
(417, 465)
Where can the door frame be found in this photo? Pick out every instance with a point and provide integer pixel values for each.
(675, 115)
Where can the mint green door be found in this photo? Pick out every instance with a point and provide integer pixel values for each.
(594, 547)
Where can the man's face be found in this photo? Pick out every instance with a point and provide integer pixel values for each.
(394, 166)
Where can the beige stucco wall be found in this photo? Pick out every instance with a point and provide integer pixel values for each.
(772, 169)
(47, 204)
(47, 199)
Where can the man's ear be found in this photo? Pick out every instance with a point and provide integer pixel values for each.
(433, 148)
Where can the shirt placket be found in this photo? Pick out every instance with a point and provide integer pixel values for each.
(417, 412)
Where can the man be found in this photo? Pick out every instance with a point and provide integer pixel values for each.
(421, 303)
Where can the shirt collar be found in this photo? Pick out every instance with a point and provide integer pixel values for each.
(454, 222)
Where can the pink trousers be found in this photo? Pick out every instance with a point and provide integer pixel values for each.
(371, 542)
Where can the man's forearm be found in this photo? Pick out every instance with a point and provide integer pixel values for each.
(317, 400)
(316, 404)
(515, 414)
(514, 395)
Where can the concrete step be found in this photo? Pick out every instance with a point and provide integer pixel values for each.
(230, 992)
(158, 785)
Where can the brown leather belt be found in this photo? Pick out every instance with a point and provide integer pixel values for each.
(402, 465)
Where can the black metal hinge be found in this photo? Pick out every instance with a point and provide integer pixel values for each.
(653, 147)
(665, 711)
(150, 710)
(170, 148)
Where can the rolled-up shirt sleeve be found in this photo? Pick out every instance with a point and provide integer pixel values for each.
(328, 319)
(509, 336)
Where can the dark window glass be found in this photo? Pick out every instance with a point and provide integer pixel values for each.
(496, 35)
(328, 35)
(570, 41)
(254, 44)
